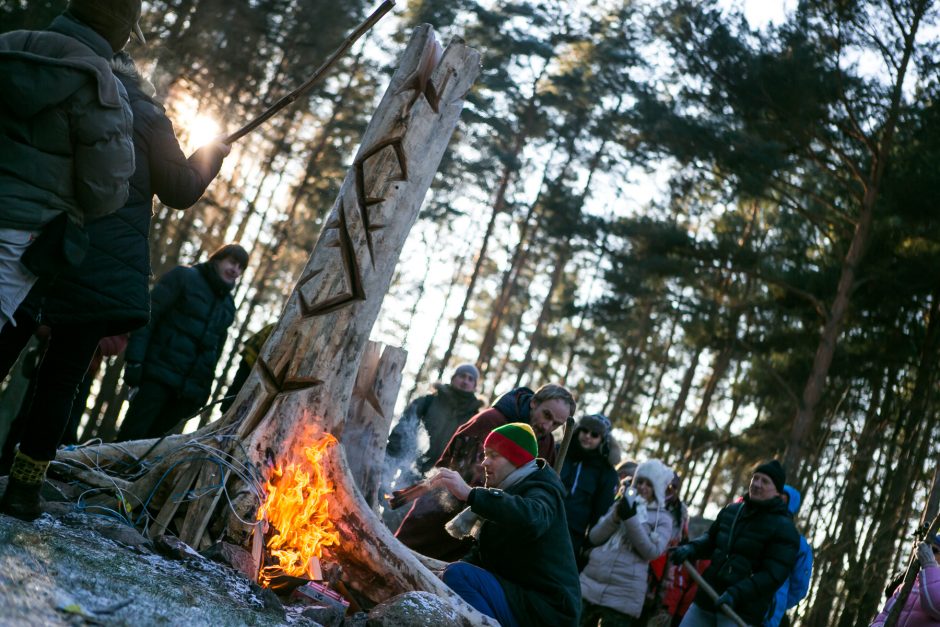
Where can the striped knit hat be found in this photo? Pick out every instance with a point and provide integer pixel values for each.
(514, 441)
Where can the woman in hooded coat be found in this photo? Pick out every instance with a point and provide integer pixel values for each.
(634, 531)
(589, 477)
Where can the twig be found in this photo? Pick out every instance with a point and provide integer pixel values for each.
(365, 26)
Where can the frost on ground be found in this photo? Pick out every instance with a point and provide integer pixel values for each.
(65, 571)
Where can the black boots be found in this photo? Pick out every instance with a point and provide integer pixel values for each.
(21, 498)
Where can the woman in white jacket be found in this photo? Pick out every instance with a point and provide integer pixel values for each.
(634, 531)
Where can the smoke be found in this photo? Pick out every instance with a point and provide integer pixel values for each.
(407, 443)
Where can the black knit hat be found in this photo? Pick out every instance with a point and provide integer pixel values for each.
(115, 20)
(773, 469)
(598, 423)
(234, 251)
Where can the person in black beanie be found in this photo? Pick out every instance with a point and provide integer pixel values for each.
(753, 546)
(172, 360)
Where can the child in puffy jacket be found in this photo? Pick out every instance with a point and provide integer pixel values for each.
(922, 608)
(634, 531)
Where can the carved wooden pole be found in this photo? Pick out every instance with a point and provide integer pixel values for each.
(303, 379)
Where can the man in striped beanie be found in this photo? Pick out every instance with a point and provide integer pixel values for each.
(521, 569)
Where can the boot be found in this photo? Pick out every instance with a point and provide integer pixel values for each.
(21, 499)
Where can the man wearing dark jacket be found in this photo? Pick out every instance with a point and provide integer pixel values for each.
(544, 410)
(66, 155)
(753, 546)
(65, 136)
(172, 360)
(521, 570)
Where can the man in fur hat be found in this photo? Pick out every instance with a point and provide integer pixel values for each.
(521, 569)
(753, 546)
(66, 150)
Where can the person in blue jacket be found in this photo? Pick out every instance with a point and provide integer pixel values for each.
(796, 586)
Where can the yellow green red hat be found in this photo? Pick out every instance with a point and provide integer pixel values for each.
(515, 441)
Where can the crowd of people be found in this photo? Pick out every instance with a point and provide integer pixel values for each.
(534, 534)
(591, 539)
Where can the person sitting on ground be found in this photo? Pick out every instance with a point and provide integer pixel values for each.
(634, 531)
(922, 608)
(521, 570)
(753, 546)
(545, 410)
(797, 584)
(441, 412)
(589, 477)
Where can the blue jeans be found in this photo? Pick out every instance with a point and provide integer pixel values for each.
(697, 617)
(480, 589)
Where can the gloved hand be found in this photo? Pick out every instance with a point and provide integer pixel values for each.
(626, 508)
(132, 373)
(925, 555)
(681, 553)
(725, 599)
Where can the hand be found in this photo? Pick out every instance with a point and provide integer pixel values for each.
(220, 146)
(725, 599)
(447, 478)
(626, 508)
(925, 555)
(681, 554)
(133, 372)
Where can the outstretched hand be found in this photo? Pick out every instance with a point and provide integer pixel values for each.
(452, 481)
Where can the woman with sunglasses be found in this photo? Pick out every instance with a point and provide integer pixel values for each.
(922, 608)
(589, 478)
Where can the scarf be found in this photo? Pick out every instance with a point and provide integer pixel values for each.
(466, 523)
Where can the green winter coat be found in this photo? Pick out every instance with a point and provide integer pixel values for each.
(524, 543)
(65, 127)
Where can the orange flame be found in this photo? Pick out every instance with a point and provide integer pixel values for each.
(296, 506)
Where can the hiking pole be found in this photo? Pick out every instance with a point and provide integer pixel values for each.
(694, 574)
(565, 443)
(364, 27)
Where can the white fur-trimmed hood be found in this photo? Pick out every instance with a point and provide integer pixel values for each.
(657, 473)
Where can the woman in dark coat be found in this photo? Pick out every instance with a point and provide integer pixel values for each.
(589, 477)
(108, 293)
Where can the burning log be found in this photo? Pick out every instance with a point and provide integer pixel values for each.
(300, 389)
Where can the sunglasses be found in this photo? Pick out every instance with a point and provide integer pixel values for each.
(593, 434)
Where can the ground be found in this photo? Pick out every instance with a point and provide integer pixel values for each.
(74, 568)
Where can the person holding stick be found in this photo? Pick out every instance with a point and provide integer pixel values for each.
(521, 569)
(544, 410)
(922, 607)
(753, 546)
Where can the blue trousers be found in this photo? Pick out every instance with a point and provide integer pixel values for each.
(480, 589)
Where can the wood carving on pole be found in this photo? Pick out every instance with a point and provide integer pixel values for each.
(303, 379)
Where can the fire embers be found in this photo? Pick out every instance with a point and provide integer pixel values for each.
(297, 513)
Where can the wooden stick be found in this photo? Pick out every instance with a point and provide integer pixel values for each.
(364, 27)
(730, 613)
(565, 443)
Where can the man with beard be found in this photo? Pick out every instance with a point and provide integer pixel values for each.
(753, 546)
(521, 568)
(544, 410)
(172, 360)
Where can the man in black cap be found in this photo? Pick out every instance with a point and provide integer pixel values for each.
(753, 546)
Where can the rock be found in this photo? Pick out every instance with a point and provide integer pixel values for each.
(175, 548)
(359, 619)
(326, 616)
(234, 556)
(412, 608)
